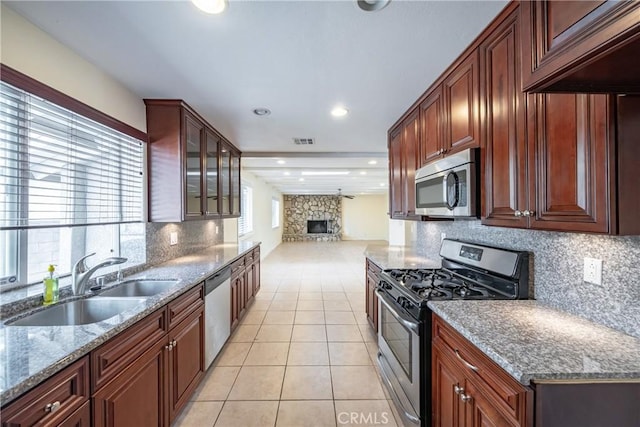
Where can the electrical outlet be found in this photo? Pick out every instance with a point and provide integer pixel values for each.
(173, 238)
(443, 236)
(593, 271)
(216, 229)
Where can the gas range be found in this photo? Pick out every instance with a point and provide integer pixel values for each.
(469, 271)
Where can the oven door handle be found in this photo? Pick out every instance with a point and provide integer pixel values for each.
(411, 325)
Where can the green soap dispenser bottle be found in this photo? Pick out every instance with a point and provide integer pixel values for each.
(50, 294)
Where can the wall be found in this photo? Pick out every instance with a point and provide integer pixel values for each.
(33, 52)
(262, 229)
(298, 209)
(558, 267)
(365, 218)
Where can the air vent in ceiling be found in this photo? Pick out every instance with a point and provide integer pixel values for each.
(303, 141)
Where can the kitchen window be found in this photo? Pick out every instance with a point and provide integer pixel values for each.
(275, 213)
(245, 222)
(70, 186)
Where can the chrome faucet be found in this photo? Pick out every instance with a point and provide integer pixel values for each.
(81, 273)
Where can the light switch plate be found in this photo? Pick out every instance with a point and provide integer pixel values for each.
(173, 238)
(593, 271)
(216, 229)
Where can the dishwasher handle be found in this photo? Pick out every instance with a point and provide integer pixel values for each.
(216, 280)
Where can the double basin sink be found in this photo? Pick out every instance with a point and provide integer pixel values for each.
(103, 306)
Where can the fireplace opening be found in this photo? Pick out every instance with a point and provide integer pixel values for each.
(317, 227)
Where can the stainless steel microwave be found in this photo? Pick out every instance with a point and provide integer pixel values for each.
(448, 187)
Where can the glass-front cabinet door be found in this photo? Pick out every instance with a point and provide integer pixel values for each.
(212, 142)
(225, 180)
(193, 165)
(235, 183)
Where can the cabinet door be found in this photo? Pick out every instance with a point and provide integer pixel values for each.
(193, 131)
(431, 128)
(446, 384)
(480, 412)
(372, 302)
(571, 184)
(186, 360)
(249, 285)
(395, 174)
(410, 148)
(504, 127)
(256, 273)
(235, 302)
(242, 295)
(212, 142)
(225, 180)
(235, 184)
(461, 106)
(576, 46)
(136, 397)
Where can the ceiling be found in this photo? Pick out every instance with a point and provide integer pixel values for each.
(297, 58)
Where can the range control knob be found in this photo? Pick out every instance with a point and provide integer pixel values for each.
(405, 303)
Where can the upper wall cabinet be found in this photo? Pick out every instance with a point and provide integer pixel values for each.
(403, 162)
(581, 46)
(194, 172)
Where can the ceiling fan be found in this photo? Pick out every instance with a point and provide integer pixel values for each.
(344, 195)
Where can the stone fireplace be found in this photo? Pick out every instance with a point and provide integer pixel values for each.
(312, 217)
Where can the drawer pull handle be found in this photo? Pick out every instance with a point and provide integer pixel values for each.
(465, 398)
(174, 343)
(457, 389)
(468, 365)
(52, 407)
(169, 347)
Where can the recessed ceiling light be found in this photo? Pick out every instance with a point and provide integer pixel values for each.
(363, 172)
(281, 162)
(261, 111)
(301, 179)
(339, 112)
(372, 5)
(211, 6)
(373, 162)
(287, 173)
(320, 173)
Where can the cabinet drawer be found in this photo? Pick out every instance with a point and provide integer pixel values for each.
(68, 390)
(256, 253)
(238, 267)
(498, 385)
(183, 306)
(111, 358)
(372, 268)
(80, 418)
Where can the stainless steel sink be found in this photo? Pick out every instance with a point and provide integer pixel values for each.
(80, 312)
(139, 288)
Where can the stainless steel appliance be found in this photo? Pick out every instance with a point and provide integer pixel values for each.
(449, 187)
(217, 313)
(469, 271)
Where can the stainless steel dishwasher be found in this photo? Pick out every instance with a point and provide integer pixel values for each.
(217, 313)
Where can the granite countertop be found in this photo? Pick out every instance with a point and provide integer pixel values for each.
(29, 354)
(388, 256)
(536, 343)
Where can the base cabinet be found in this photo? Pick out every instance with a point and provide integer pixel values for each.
(371, 299)
(245, 283)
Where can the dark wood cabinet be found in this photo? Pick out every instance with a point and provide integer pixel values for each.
(431, 127)
(63, 399)
(186, 360)
(469, 389)
(460, 90)
(371, 299)
(404, 157)
(194, 172)
(245, 283)
(145, 375)
(581, 46)
(80, 418)
(396, 180)
(138, 395)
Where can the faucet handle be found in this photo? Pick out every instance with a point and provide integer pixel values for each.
(80, 266)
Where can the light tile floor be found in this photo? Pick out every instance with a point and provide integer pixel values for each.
(304, 354)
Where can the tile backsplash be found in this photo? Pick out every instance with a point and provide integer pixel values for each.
(558, 260)
(193, 236)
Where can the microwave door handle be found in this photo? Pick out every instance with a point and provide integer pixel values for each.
(413, 326)
(445, 195)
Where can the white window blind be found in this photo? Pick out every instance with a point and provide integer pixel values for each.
(275, 213)
(58, 168)
(245, 222)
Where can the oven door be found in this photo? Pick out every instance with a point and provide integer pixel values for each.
(399, 357)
